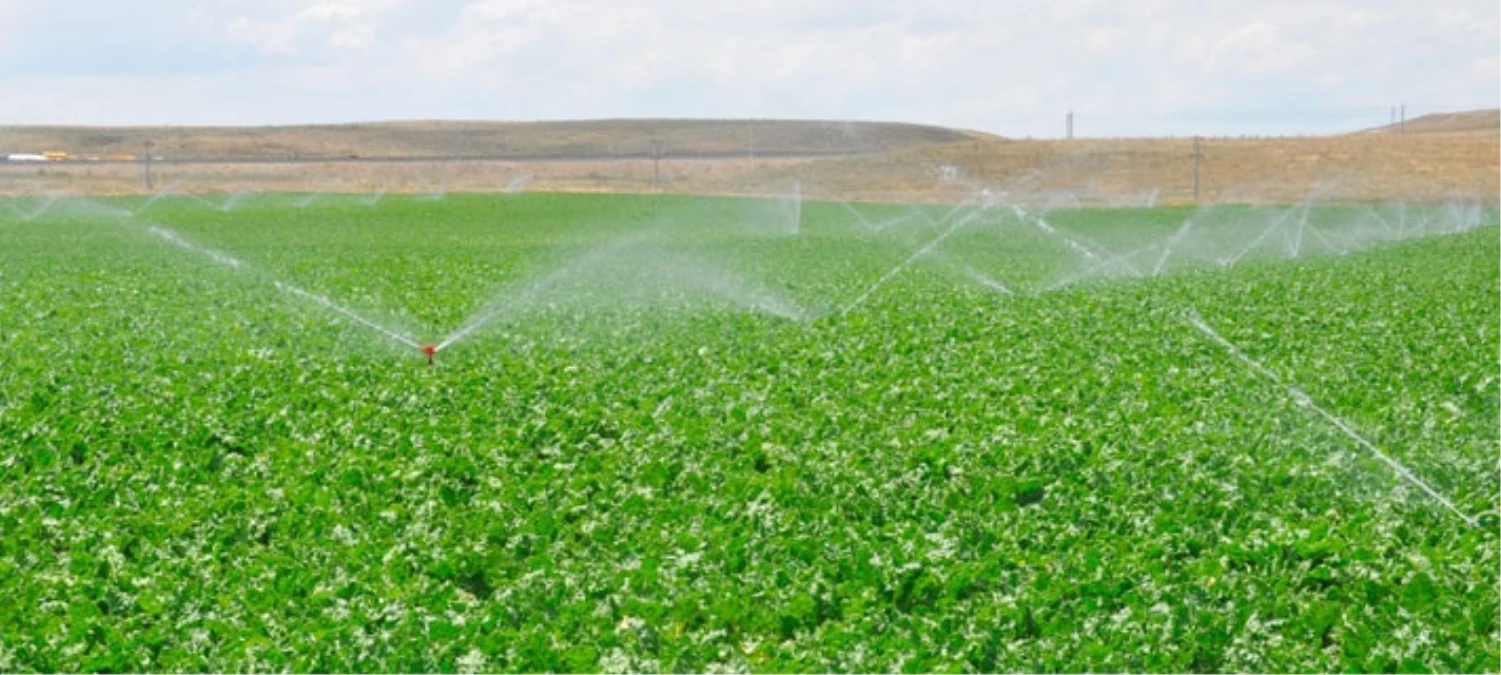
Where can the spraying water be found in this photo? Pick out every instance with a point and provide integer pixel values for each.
(518, 183)
(794, 207)
(859, 217)
(352, 316)
(235, 263)
(506, 302)
(1102, 266)
(986, 280)
(202, 201)
(1247, 234)
(1219, 236)
(1167, 248)
(917, 216)
(1275, 226)
(309, 199)
(630, 270)
(40, 209)
(172, 190)
(150, 201)
(178, 241)
(1072, 243)
(232, 202)
(438, 193)
(1305, 401)
(373, 198)
(919, 253)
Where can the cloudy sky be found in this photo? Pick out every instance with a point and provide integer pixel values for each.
(1126, 67)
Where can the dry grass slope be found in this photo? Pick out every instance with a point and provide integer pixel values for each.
(1440, 156)
(589, 138)
(1348, 167)
(1469, 121)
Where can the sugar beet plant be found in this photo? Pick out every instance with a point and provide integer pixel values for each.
(712, 434)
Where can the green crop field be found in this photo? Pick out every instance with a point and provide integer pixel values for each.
(678, 434)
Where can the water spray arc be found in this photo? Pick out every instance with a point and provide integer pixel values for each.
(825, 195)
(232, 262)
(150, 201)
(232, 201)
(1213, 236)
(180, 242)
(518, 183)
(1224, 235)
(669, 272)
(986, 280)
(348, 314)
(373, 198)
(795, 207)
(1103, 265)
(436, 193)
(1305, 401)
(919, 253)
(1167, 247)
(500, 308)
(1071, 243)
(28, 215)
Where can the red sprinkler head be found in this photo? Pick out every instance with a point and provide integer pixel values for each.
(430, 350)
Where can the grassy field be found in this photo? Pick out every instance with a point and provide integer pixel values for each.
(687, 433)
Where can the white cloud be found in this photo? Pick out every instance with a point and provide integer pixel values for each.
(316, 24)
(1255, 51)
(1487, 68)
(1131, 66)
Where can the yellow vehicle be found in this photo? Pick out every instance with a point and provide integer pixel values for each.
(55, 155)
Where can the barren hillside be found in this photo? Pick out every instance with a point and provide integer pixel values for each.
(495, 140)
(847, 160)
(1469, 121)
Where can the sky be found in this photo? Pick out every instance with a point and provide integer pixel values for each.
(1015, 68)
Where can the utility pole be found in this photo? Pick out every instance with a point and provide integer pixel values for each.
(1198, 154)
(656, 163)
(1068, 125)
(147, 160)
(1402, 121)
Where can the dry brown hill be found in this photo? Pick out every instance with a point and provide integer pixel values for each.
(854, 160)
(1468, 121)
(494, 140)
(1349, 167)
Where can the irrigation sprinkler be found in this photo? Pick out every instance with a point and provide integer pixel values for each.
(430, 351)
